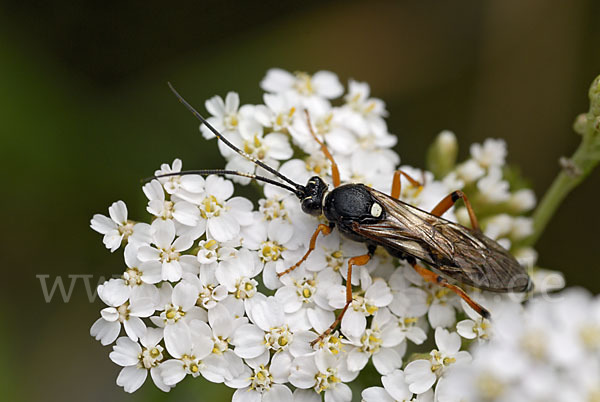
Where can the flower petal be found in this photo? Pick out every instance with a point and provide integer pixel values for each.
(131, 378)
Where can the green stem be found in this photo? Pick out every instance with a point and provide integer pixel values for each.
(575, 169)
(563, 184)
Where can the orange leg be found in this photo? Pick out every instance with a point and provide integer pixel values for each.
(359, 260)
(449, 201)
(313, 241)
(335, 172)
(435, 278)
(397, 185)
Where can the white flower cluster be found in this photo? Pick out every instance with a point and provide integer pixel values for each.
(547, 351)
(200, 294)
(482, 177)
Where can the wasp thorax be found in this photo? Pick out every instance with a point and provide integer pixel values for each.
(312, 197)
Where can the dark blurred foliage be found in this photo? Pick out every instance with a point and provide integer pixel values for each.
(86, 114)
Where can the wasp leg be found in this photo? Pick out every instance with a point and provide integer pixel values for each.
(313, 241)
(449, 201)
(335, 172)
(397, 185)
(432, 277)
(359, 260)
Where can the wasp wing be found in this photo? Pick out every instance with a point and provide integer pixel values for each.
(460, 253)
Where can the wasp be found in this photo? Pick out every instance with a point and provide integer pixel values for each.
(449, 251)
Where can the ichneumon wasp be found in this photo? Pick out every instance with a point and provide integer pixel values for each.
(451, 251)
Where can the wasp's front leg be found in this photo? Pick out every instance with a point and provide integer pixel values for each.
(358, 261)
(325, 229)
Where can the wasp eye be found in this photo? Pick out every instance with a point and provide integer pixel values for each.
(312, 197)
(312, 206)
(376, 210)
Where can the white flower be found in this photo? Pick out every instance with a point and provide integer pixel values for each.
(328, 124)
(364, 115)
(333, 252)
(506, 226)
(250, 138)
(237, 275)
(127, 307)
(208, 290)
(475, 327)
(278, 112)
(491, 153)
(185, 186)
(358, 99)
(379, 175)
(427, 196)
(179, 312)
(193, 355)
(271, 241)
(409, 301)
(493, 189)
(522, 200)
(304, 298)
(266, 383)
(527, 257)
(269, 332)
(408, 306)
(225, 116)
(323, 372)
(442, 301)
(168, 252)
(301, 170)
(117, 229)
(221, 214)
(550, 350)
(394, 389)
(354, 321)
(322, 83)
(136, 361)
(469, 171)
(135, 274)
(578, 319)
(183, 212)
(383, 341)
(211, 251)
(223, 325)
(545, 280)
(422, 374)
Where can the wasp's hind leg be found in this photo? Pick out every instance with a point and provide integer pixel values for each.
(335, 172)
(447, 203)
(358, 261)
(325, 229)
(397, 184)
(432, 277)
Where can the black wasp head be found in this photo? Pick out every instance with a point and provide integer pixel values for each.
(312, 196)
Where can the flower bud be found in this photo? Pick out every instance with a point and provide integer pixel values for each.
(594, 95)
(580, 124)
(441, 156)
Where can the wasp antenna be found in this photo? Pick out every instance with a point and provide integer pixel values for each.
(223, 172)
(228, 143)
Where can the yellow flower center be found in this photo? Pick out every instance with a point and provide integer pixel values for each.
(271, 251)
(303, 83)
(210, 207)
(590, 336)
(489, 387)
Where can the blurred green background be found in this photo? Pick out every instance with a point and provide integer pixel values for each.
(85, 114)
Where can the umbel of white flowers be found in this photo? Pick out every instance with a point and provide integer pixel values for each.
(200, 295)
